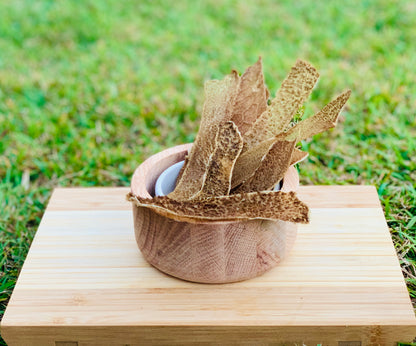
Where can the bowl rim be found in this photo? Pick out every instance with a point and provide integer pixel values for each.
(145, 175)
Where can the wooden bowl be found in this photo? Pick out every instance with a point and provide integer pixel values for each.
(209, 252)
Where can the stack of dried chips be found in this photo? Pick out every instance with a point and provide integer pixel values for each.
(244, 147)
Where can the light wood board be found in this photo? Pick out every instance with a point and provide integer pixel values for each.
(85, 281)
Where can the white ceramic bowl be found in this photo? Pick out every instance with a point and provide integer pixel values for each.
(166, 182)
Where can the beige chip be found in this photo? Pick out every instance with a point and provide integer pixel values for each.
(269, 205)
(219, 96)
(295, 89)
(271, 169)
(228, 145)
(251, 99)
(319, 122)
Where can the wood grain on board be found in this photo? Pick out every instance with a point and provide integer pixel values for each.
(84, 281)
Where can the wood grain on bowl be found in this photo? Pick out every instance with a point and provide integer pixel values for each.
(208, 252)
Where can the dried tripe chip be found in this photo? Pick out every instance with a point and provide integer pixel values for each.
(251, 160)
(259, 138)
(251, 99)
(271, 169)
(245, 145)
(269, 205)
(298, 156)
(295, 89)
(248, 162)
(219, 96)
(241, 100)
(228, 145)
(325, 119)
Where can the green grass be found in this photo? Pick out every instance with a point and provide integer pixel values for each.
(88, 89)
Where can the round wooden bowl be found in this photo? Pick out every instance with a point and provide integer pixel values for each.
(209, 252)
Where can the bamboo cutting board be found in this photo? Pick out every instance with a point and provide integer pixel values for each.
(84, 282)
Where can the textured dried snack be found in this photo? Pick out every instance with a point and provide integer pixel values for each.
(219, 96)
(185, 163)
(240, 100)
(246, 146)
(274, 120)
(322, 121)
(252, 159)
(249, 161)
(268, 205)
(298, 156)
(251, 99)
(271, 169)
(228, 145)
(295, 89)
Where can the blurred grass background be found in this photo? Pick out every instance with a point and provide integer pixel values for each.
(89, 89)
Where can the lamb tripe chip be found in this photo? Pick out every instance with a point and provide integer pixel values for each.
(228, 145)
(298, 156)
(325, 119)
(219, 97)
(249, 161)
(295, 89)
(185, 163)
(252, 158)
(251, 99)
(246, 146)
(257, 141)
(267, 205)
(241, 100)
(271, 169)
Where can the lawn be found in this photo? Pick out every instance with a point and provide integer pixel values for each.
(89, 89)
